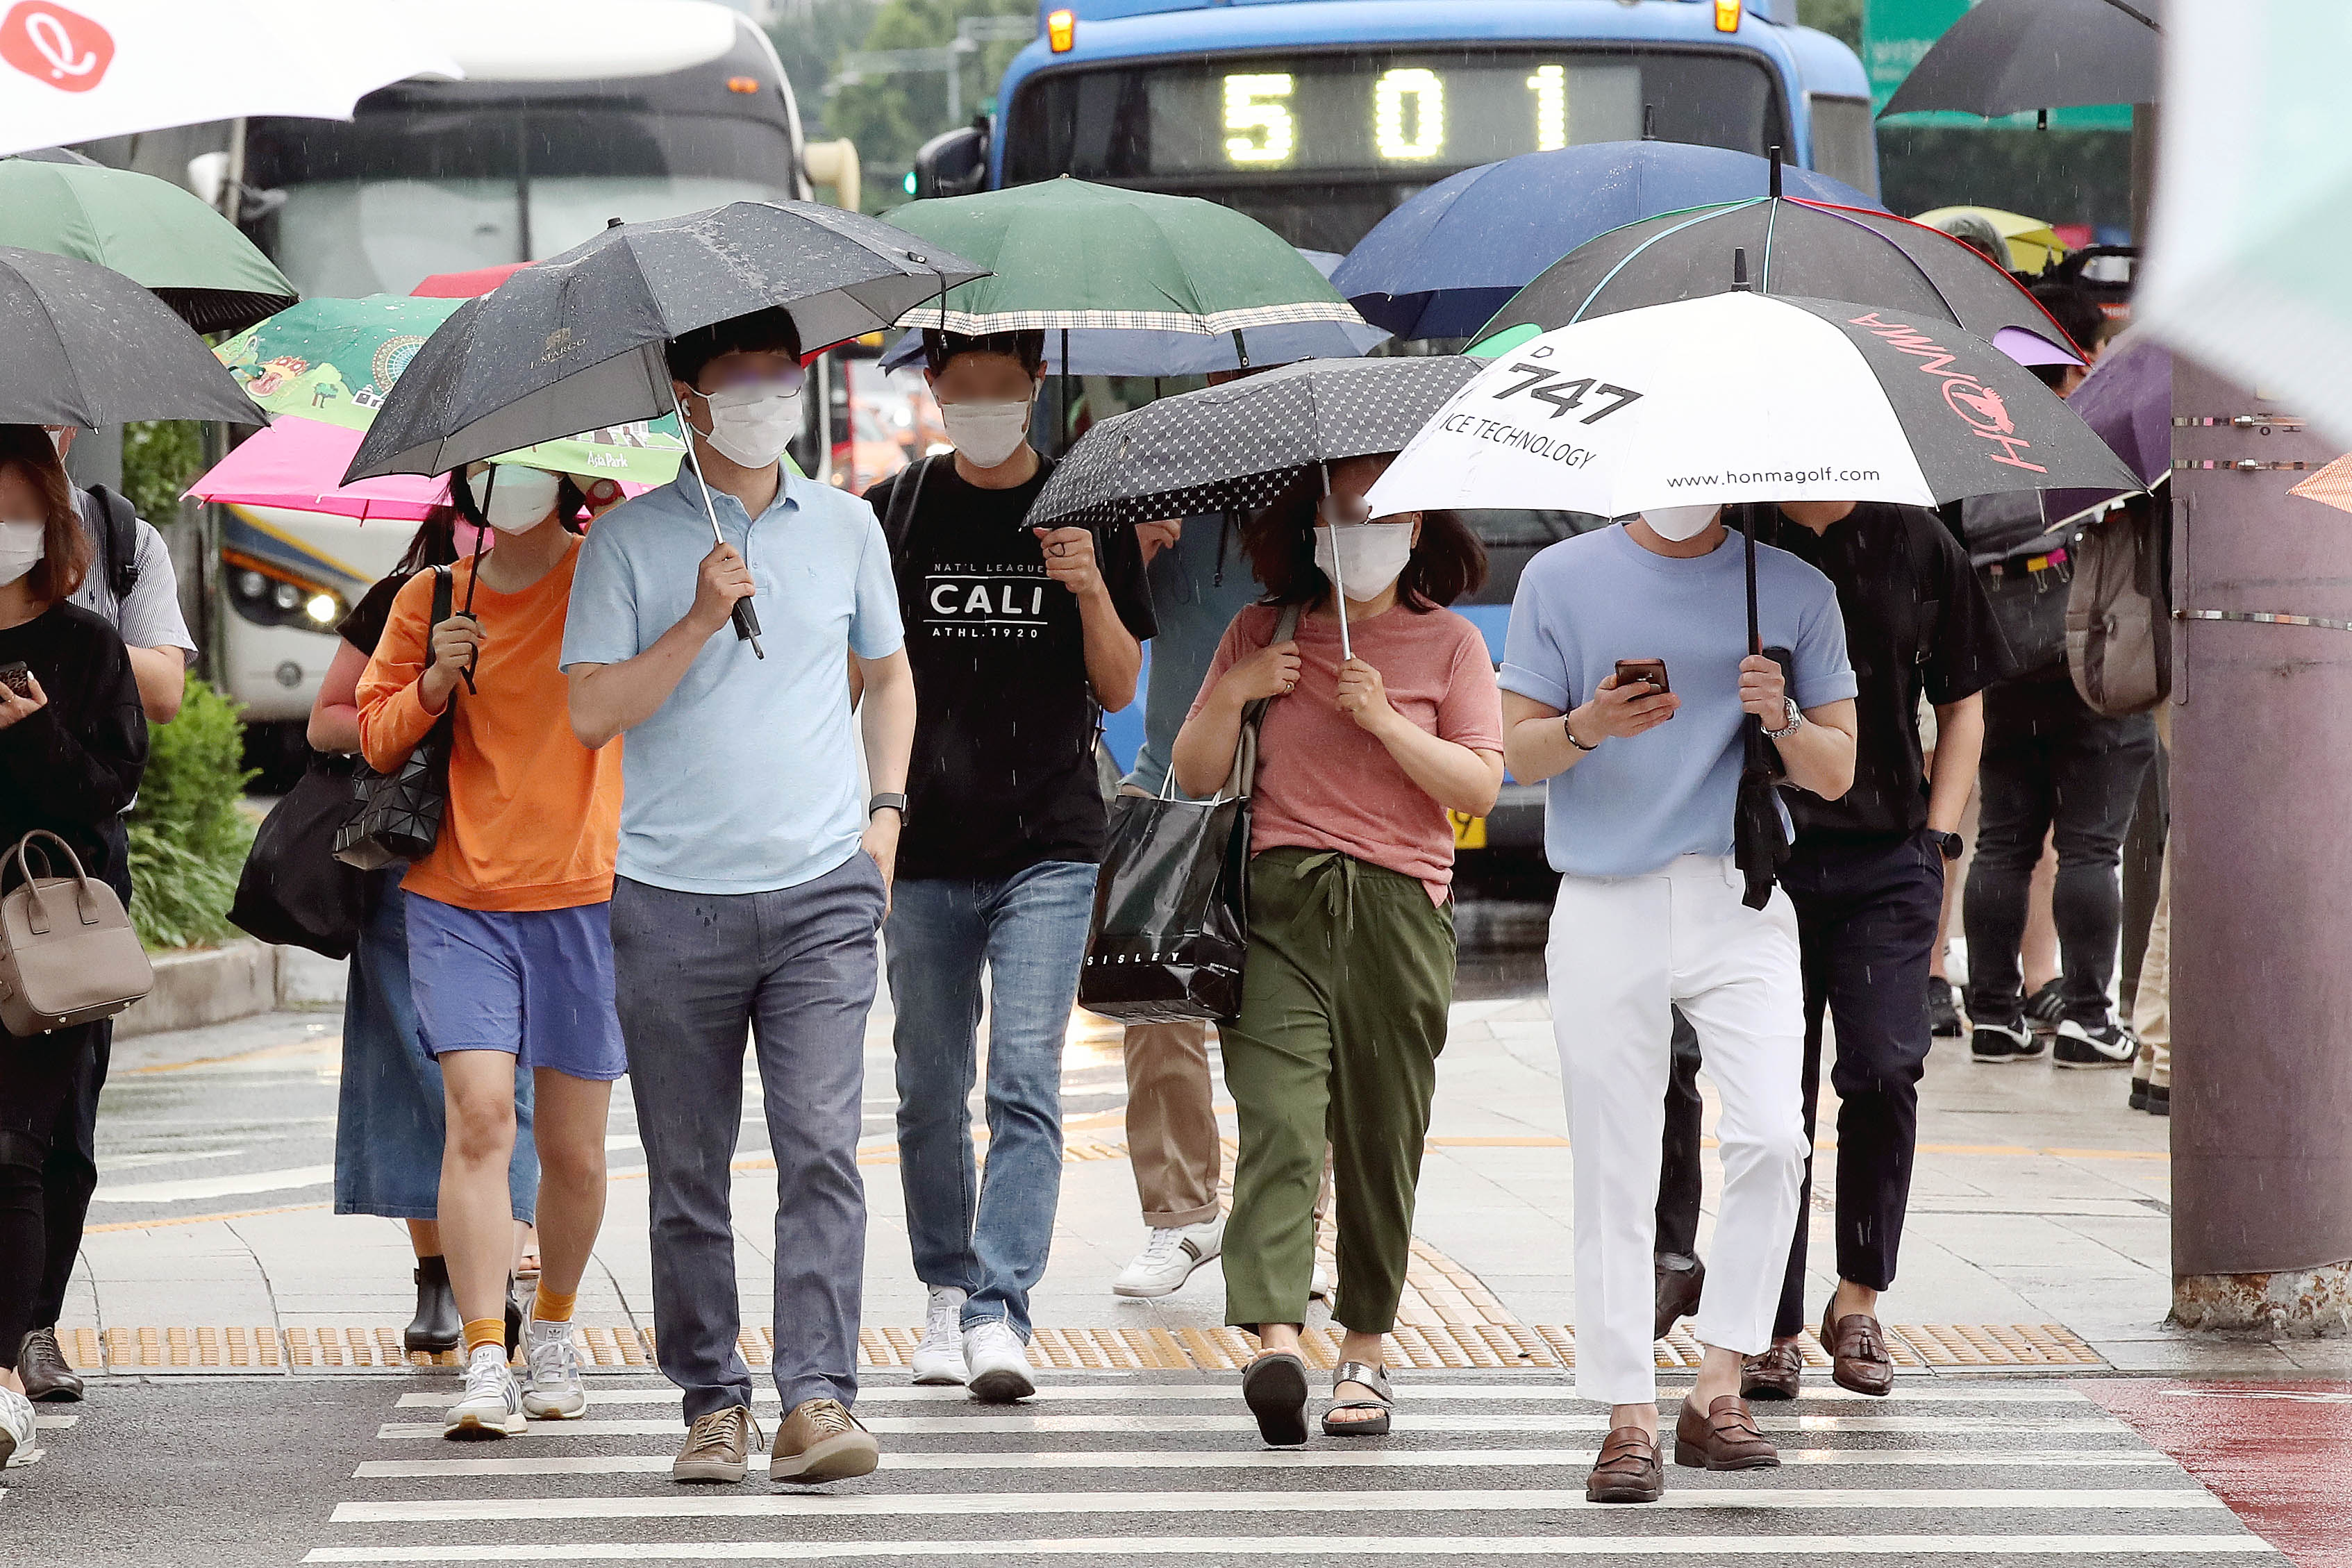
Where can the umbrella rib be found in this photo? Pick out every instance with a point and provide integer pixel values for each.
(1627, 260)
(1888, 240)
(2136, 14)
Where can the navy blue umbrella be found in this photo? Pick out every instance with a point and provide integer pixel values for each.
(1444, 262)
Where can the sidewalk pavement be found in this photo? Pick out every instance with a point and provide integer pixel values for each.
(2039, 1201)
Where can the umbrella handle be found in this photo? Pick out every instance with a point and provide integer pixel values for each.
(746, 619)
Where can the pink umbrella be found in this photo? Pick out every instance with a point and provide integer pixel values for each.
(297, 464)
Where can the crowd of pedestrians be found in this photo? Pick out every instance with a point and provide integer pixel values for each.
(661, 840)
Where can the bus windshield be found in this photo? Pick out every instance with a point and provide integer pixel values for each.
(1319, 144)
(412, 189)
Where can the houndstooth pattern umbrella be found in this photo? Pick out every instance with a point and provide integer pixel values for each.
(1234, 448)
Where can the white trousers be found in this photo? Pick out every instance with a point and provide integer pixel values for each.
(1622, 949)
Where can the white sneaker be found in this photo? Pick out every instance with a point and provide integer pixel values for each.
(999, 1363)
(492, 1407)
(1319, 1286)
(938, 1362)
(552, 1364)
(16, 1427)
(1169, 1259)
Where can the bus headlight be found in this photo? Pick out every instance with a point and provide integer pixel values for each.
(322, 609)
(270, 596)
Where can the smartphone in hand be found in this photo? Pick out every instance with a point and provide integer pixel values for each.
(17, 677)
(1652, 670)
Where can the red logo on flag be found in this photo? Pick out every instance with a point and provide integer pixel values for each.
(51, 44)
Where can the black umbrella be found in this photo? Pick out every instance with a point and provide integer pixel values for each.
(87, 346)
(576, 342)
(2006, 55)
(1236, 447)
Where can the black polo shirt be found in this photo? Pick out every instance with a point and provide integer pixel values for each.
(1916, 622)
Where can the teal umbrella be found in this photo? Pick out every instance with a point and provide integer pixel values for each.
(150, 230)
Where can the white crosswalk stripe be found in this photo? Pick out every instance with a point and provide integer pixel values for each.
(1133, 1468)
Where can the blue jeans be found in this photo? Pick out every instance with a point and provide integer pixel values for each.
(987, 1236)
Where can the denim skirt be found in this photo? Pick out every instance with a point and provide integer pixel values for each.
(390, 1115)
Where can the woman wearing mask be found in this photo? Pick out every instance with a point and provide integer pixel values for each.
(73, 743)
(1350, 965)
(388, 1122)
(510, 956)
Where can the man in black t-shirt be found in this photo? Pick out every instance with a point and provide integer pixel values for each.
(1021, 638)
(1866, 876)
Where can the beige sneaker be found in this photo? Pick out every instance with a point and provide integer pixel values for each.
(821, 1441)
(716, 1446)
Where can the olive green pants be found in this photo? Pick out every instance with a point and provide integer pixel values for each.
(1345, 992)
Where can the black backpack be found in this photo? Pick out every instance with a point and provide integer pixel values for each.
(117, 541)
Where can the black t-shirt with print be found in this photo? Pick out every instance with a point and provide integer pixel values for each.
(1002, 776)
(1916, 623)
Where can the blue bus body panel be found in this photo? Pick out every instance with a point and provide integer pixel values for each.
(1275, 24)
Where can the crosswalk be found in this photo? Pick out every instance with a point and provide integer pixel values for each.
(1111, 1469)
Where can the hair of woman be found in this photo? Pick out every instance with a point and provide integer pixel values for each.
(64, 548)
(1279, 539)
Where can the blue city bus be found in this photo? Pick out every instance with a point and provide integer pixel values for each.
(1319, 117)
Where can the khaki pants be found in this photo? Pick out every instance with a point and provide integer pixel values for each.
(1171, 1127)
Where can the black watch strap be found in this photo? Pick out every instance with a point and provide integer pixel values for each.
(896, 802)
(1952, 844)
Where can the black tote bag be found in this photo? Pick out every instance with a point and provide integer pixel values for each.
(1172, 905)
(397, 816)
(293, 892)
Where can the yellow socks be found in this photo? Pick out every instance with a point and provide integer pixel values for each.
(480, 1332)
(551, 1307)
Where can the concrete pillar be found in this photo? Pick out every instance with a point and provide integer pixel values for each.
(2261, 839)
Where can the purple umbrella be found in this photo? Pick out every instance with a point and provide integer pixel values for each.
(2127, 399)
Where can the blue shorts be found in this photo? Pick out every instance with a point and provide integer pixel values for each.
(535, 983)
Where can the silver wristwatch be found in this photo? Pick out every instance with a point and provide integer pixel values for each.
(1796, 722)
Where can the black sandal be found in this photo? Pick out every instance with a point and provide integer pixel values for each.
(1275, 1388)
(1372, 1377)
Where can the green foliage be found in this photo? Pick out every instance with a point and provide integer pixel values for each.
(890, 116)
(188, 836)
(160, 456)
(809, 39)
(1840, 19)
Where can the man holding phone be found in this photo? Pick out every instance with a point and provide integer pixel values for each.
(1866, 877)
(1650, 915)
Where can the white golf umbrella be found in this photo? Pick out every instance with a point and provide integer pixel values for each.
(1744, 397)
(93, 68)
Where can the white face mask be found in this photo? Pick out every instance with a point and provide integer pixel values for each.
(753, 424)
(516, 500)
(22, 544)
(1679, 522)
(987, 433)
(1371, 555)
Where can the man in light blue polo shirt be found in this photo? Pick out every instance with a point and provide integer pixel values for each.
(1649, 916)
(752, 878)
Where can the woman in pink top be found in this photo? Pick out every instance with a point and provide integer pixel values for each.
(1350, 967)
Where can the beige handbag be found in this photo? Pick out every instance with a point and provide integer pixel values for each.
(68, 954)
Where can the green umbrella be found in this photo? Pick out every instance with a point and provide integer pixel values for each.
(1069, 255)
(151, 231)
(333, 360)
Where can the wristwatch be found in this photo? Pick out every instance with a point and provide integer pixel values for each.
(1952, 844)
(1569, 731)
(1794, 722)
(896, 802)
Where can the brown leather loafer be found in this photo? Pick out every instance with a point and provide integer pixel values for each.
(1628, 1469)
(1680, 1281)
(1777, 1374)
(1858, 1355)
(1724, 1439)
(43, 1367)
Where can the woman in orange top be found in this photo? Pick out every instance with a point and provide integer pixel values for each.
(510, 952)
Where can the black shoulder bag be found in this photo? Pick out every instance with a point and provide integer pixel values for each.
(397, 816)
(1172, 905)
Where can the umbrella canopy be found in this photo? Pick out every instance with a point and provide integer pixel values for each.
(467, 285)
(1797, 248)
(2127, 399)
(335, 361)
(1233, 447)
(88, 346)
(1066, 253)
(1445, 261)
(1743, 396)
(151, 231)
(58, 155)
(560, 346)
(2006, 55)
(1146, 351)
(110, 67)
(2254, 213)
(2033, 245)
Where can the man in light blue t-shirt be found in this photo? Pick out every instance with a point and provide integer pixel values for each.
(751, 877)
(1649, 916)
